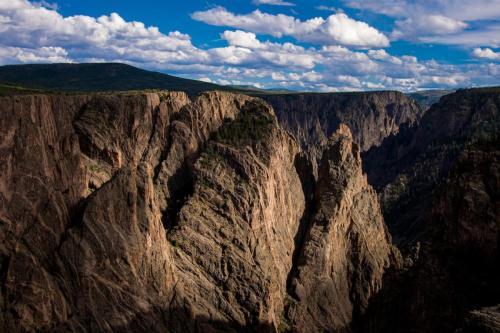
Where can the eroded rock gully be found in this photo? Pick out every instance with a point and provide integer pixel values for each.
(149, 212)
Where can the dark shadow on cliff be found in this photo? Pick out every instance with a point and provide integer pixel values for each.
(431, 296)
(181, 187)
(174, 321)
(457, 267)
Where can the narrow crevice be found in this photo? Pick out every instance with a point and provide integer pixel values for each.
(181, 186)
(81, 110)
(59, 267)
(4, 269)
(304, 169)
(75, 220)
(181, 183)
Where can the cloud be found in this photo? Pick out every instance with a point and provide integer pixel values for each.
(261, 54)
(462, 10)
(205, 79)
(43, 54)
(311, 76)
(433, 21)
(428, 24)
(349, 80)
(241, 38)
(31, 33)
(258, 22)
(486, 53)
(336, 29)
(340, 69)
(273, 2)
(347, 31)
(38, 30)
(382, 55)
(488, 36)
(46, 4)
(329, 9)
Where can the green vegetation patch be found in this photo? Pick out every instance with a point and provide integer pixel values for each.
(8, 90)
(251, 126)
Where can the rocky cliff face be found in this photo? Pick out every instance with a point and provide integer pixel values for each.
(346, 248)
(76, 201)
(462, 248)
(371, 116)
(149, 212)
(452, 285)
(408, 167)
(234, 237)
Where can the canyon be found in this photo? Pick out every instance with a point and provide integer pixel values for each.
(224, 212)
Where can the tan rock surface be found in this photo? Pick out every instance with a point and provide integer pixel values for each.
(235, 235)
(83, 242)
(149, 212)
(347, 247)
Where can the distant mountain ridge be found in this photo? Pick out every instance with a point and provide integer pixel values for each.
(99, 77)
(90, 77)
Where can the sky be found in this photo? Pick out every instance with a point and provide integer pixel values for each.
(307, 45)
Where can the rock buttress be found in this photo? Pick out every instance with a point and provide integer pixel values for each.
(235, 236)
(346, 249)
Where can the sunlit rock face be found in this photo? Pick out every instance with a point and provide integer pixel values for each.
(347, 247)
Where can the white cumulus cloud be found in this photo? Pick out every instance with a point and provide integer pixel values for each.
(242, 38)
(486, 53)
(336, 29)
(32, 27)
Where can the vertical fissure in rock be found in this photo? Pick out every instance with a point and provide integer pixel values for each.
(75, 219)
(303, 167)
(181, 185)
(4, 269)
(163, 154)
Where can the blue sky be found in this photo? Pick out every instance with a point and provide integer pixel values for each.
(315, 45)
